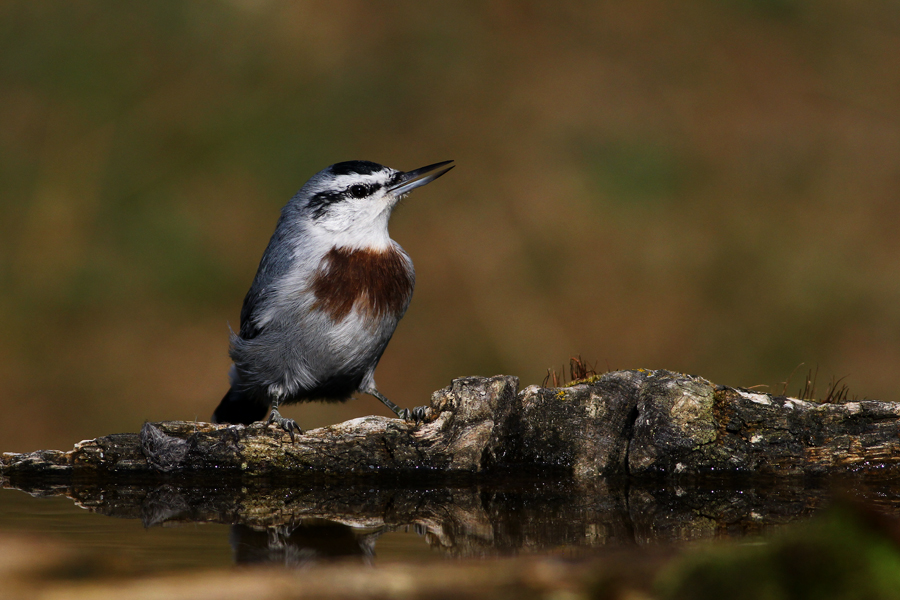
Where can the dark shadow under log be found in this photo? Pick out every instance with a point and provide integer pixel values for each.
(631, 424)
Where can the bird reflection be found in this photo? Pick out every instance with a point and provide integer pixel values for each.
(296, 546)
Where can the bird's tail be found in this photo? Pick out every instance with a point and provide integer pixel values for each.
(239, 406)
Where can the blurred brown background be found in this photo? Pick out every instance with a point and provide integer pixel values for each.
(710, 187)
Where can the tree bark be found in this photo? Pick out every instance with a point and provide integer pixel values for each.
(622, 424)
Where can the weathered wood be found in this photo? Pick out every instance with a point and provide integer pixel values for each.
(626, 423)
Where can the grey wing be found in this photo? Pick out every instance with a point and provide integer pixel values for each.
(272, 267)
(254, 298)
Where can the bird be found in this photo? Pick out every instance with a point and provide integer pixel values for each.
(330, 289)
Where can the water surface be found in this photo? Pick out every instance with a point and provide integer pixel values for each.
(183, 525)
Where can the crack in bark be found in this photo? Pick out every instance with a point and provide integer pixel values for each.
(387, 448)
(628, 436)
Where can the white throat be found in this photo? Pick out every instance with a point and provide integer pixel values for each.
(350, 229)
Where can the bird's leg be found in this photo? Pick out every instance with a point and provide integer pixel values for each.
(417, 414)
(288, 425)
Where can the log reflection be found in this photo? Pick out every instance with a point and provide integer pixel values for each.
(295, 526)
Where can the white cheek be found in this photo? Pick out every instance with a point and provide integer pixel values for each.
(355, 226)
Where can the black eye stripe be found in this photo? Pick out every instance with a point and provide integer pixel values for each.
(321, 201)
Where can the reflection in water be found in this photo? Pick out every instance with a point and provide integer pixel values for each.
(301, 545)
(300, 524)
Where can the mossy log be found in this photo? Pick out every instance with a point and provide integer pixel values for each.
(622, 424)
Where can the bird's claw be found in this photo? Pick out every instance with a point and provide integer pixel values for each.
(288, 425)
(419, 413)
(416, 415)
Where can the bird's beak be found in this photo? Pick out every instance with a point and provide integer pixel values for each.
(412, 179)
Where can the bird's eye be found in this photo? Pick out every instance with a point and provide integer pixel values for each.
(358, 191)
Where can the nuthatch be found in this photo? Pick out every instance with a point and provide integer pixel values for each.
(330, 289)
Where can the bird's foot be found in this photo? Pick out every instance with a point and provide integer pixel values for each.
(416, 415)
(288, 425)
